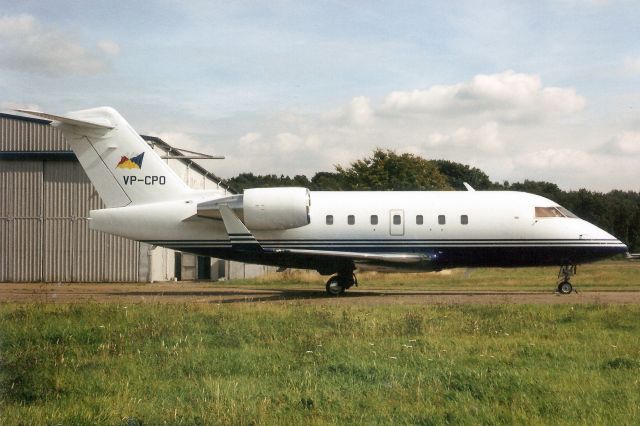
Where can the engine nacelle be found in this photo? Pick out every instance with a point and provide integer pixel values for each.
(267, 209)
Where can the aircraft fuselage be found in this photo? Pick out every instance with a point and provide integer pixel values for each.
(450, 228)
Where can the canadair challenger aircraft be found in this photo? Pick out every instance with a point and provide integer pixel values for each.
(330, 232)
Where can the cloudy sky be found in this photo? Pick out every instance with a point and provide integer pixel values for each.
(545, 90)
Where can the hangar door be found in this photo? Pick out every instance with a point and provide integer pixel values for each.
(45, 235)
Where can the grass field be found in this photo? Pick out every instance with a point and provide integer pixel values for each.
(262, 363)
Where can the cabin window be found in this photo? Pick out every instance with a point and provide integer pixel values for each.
(397, 219)
(419, 219)
(374, 219)
(441, 219)
(464, 219)
(351, 219)
(329, 219)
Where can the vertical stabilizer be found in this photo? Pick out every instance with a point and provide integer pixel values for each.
(123, 168)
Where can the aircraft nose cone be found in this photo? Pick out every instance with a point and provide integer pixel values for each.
(608, 242)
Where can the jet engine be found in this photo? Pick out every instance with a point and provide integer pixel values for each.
(269, 209)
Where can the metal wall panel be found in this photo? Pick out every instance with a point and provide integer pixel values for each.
(26, 248)
(24, 135)
(21, 189)
(27, 197)
(60, 180)
(59, 237)
(6, 214)
(87, 196)
(44, 227)
(58, 250)
(20, 258)
(121, 255)
(7, 174)
(89, 256)
(6, 252)
(21, 215)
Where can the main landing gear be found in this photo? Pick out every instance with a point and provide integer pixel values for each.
(565, 274)
(338, 284)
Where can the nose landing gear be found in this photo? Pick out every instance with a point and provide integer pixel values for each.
(564, 277)
(340, 283)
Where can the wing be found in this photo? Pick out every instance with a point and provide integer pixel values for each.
(363, 257)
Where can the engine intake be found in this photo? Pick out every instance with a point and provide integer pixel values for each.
(267, 209)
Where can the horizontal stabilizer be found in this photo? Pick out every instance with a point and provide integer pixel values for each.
(68, 120)
(633, 256)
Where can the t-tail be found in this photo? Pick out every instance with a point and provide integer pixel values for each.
(122, 167)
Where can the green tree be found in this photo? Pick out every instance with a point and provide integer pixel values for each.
(385, 170)
(457, 174)
(544, 189)
(327, 181)
(249, 180)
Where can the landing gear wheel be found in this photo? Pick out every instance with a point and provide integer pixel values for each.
(335, 286)
(565, 287)
(338, 284)
(565, 274)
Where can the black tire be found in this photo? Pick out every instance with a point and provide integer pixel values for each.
(334, 286)
(565, 287)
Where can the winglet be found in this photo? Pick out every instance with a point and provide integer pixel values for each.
(239, 235)
(469, 187)
(67, 120)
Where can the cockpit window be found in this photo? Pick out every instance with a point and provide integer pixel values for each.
(556, 211)
(566, 212)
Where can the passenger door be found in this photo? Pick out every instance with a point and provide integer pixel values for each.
(396, 222)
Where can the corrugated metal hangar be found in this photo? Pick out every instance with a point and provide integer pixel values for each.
(45, 198)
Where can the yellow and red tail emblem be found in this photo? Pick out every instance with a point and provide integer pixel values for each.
(130, 163)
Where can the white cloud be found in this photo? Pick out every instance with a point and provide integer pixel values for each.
(632, 64)
(250, 139)
(180, 140)
(288, 142)
(20, 25)
(625, 143)
(10, 105)
(555, 159)
(508, 96)
(471, 122)
(109, 47)
(551, 148)
(28, 45)
(486, 138)
(358, 112)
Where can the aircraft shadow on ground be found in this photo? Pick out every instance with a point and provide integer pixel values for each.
(267, 295)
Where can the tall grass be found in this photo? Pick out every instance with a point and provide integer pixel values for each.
(295, 363)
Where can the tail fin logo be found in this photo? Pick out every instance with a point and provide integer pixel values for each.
(130, 163)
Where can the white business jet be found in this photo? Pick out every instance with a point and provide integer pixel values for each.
(334, 233)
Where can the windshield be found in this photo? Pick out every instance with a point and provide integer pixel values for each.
(557, 211)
